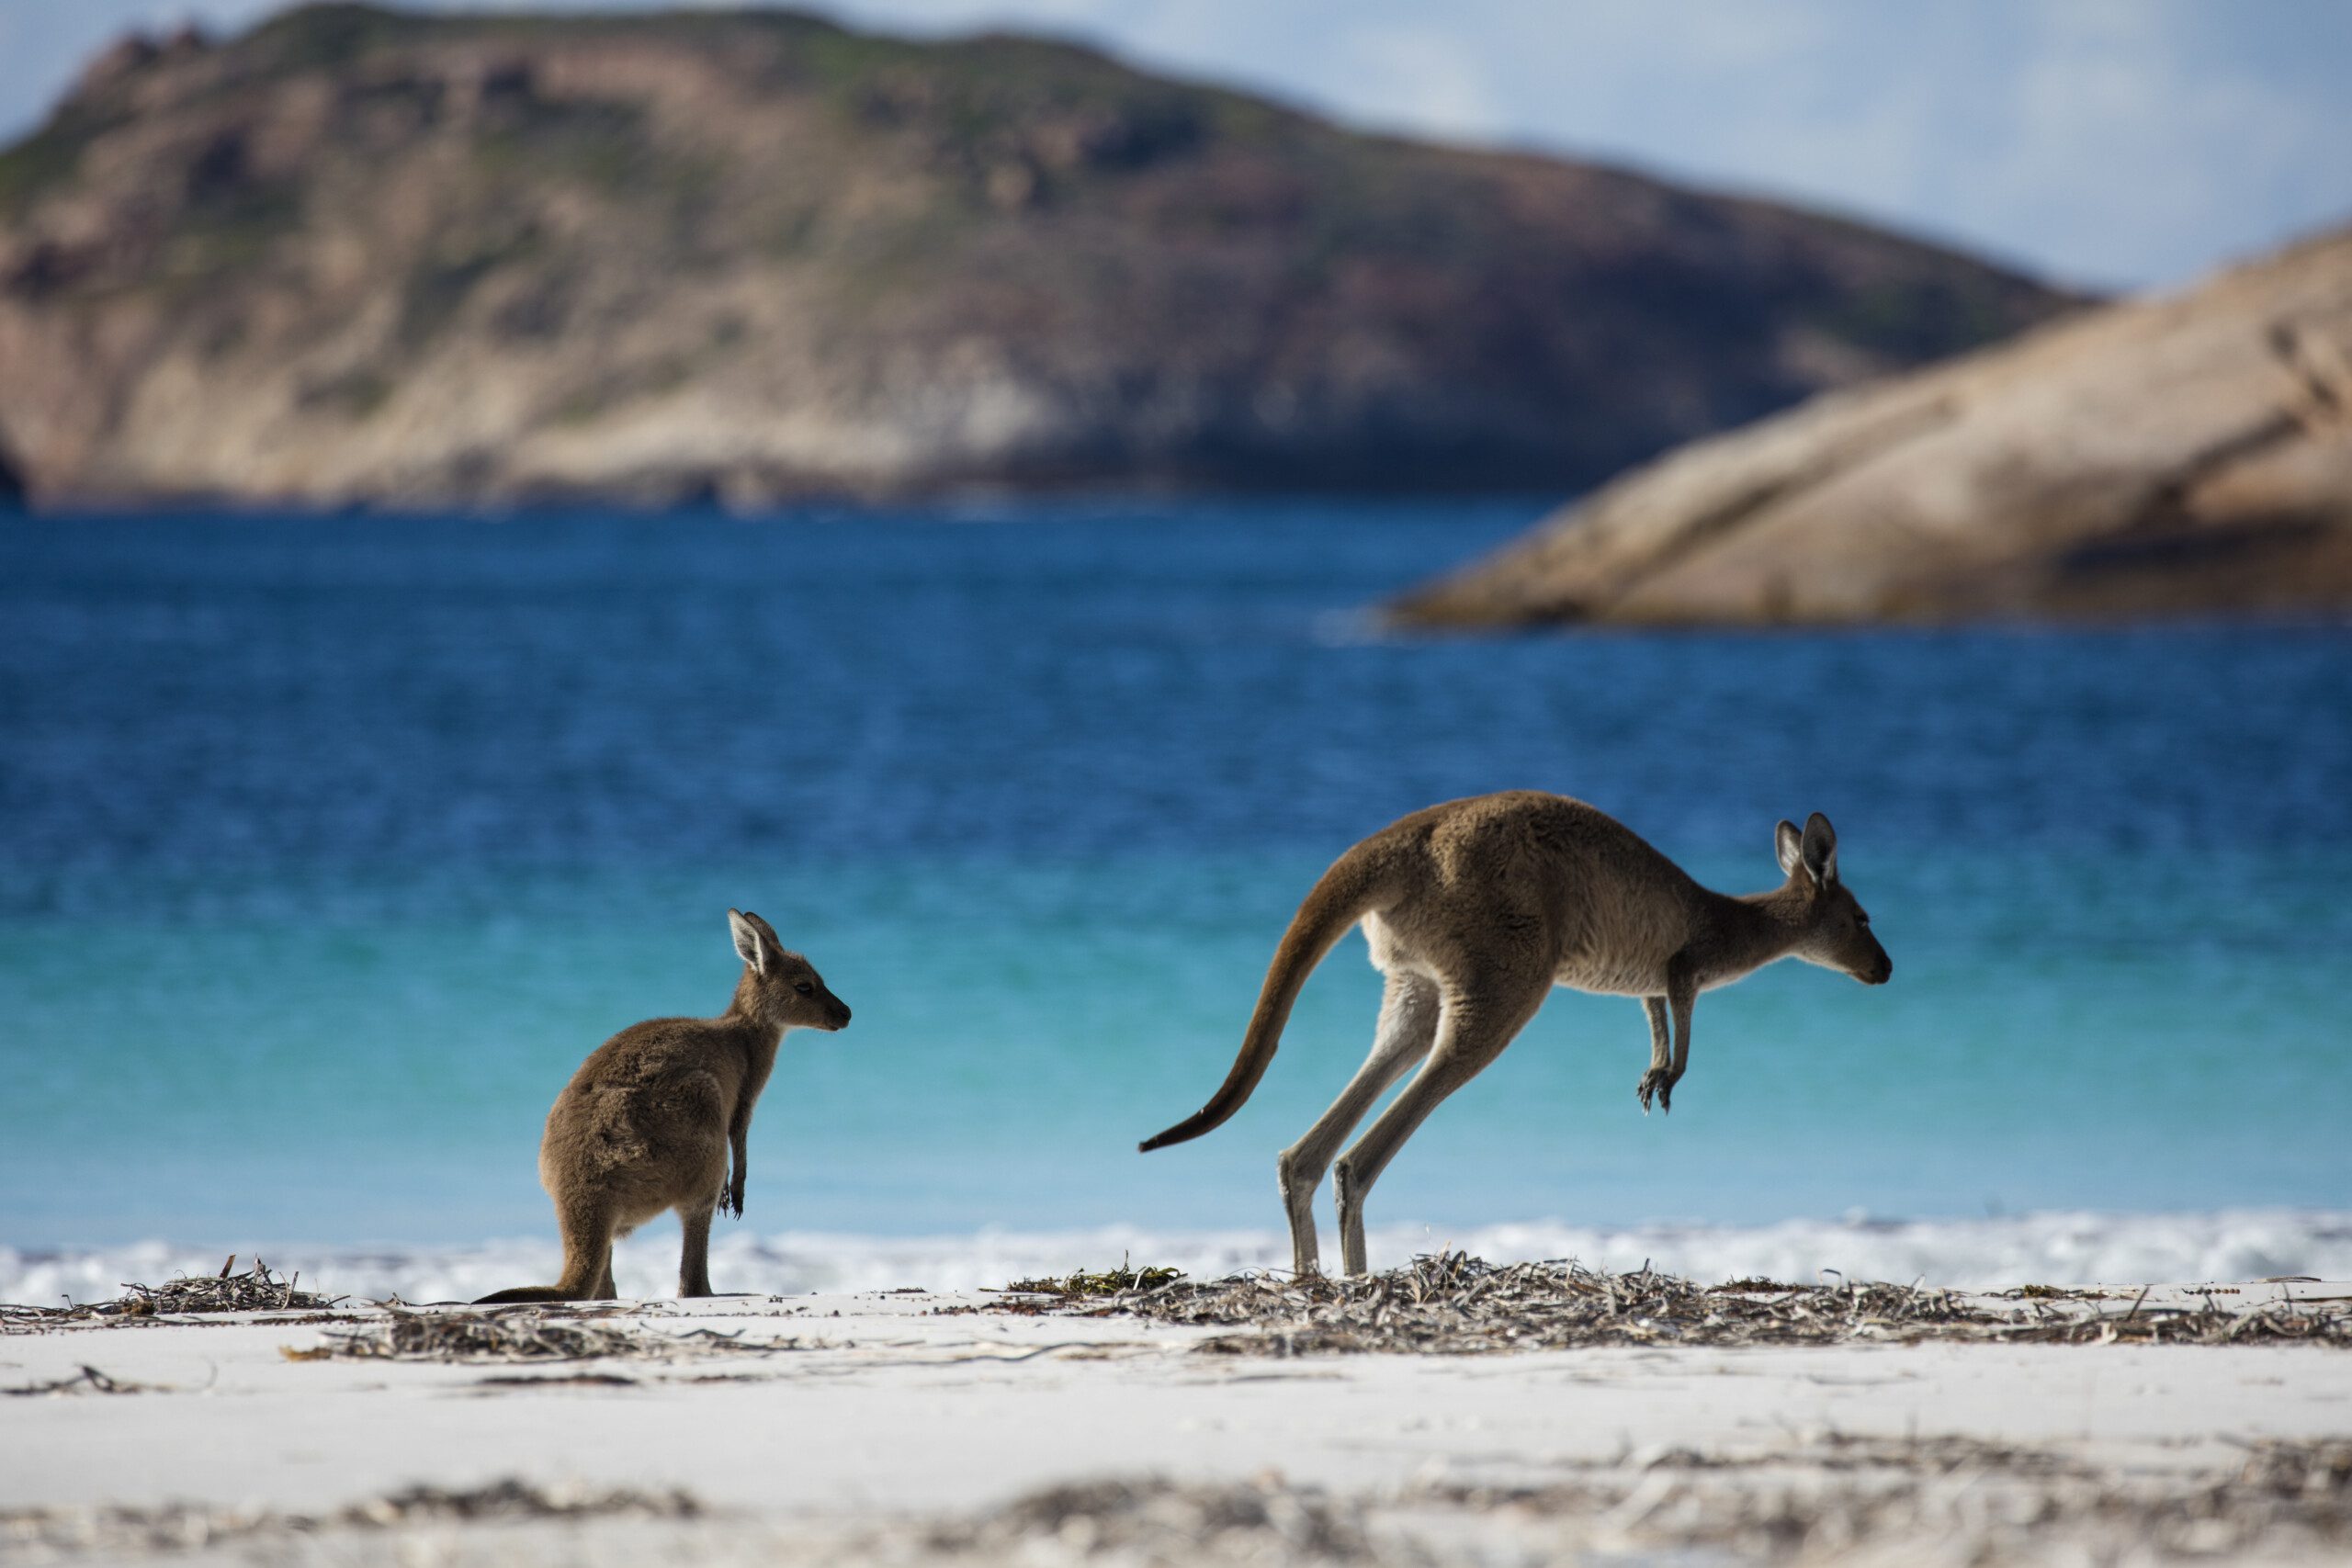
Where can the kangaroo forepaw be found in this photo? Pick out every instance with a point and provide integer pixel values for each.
(1655, 1085)
(731, 1200)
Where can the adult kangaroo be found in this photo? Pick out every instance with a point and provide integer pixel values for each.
(647, 1123)
(1474, 910)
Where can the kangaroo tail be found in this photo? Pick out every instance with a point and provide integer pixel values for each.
(1347, 893)
(528, 1293)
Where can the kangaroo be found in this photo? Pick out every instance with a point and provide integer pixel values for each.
(1474, 910)
(646, 1121)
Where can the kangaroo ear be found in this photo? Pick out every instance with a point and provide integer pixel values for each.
(747, 946)
(1788, 844)
(1820, 849)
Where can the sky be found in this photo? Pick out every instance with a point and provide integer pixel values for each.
(2103, 143)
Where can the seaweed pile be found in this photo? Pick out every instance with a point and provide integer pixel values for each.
(1822, 1499)
(1108, 1282)
(1837, 1498)
(2281, 1321)
(180, 1527)
(256, 1290)
(1157, 1521)
(522, 1334)
(1451, 1303)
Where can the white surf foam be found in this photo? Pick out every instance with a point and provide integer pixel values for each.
(2047, 1248)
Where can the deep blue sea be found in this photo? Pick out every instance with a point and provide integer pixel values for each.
(330, 844)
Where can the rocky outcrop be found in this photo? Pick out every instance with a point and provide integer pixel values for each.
(2173, 455)
(365, 255)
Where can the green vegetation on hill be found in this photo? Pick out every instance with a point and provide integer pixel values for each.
(358, 254)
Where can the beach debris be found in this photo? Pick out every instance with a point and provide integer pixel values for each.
(1451, 1303)
(1080, 1285)
(1812, 1498)
(1815, 1501)
(512, 1499)
(1160, 1521)
(523, 1334)
(1976, 1501)
(1831, 1497)
(185, 1525)
(88, 1379)
(256, 1290)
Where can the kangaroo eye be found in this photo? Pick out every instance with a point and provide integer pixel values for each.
(1860, 918)
(804, 988)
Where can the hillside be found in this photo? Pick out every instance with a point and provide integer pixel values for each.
(362, 255)
(2183, 455)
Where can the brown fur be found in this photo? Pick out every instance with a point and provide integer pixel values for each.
(1474, 910)
(648, 1122)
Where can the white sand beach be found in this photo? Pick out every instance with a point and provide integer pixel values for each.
(901, 1428)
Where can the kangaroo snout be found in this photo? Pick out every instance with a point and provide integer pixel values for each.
(841, 1016)
(1882, 975)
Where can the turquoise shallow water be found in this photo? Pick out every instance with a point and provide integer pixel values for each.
(328, 846)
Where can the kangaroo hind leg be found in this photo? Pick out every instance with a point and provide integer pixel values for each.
(1659, 1078)
(1474, 1026)
(694, 1264)
(1409, 1013)
(587, 1226)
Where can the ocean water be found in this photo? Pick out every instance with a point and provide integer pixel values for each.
(328, 845)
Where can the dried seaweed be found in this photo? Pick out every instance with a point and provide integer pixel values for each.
(1081, 1285)
(1977, 1501)
(522, 1334)
(2053, 1293)
(256, 1290)
(88, 1379)
(1838, 1498)
(1451, 1303)
(1819, 1499)
(186, 1526)
(1156, 1521)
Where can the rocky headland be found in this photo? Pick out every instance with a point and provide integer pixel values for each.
(2178, 456)
(356, 256)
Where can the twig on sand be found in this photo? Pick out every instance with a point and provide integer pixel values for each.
(89, 1378)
